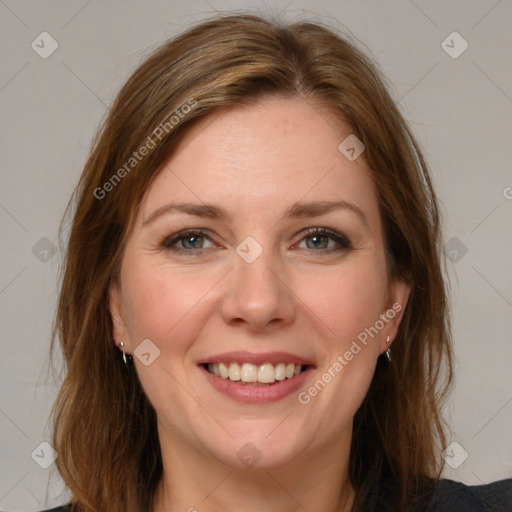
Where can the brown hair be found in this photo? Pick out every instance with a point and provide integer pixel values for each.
(104, 426)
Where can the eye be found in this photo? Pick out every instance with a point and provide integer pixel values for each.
(192, 240)
(323, 238)
(316, 239)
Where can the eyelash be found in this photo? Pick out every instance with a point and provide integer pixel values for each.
(342, 240)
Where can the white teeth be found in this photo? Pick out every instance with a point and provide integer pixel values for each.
(234, 371)
(280, 371)
(266, 373)
(224, 370)
(246, 372)
(249, 373)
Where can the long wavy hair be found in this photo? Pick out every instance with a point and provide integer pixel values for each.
(104, 428)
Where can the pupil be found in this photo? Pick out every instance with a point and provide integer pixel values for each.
(317, 240)
(192, 240)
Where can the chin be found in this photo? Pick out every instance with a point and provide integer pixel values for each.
(255, 448)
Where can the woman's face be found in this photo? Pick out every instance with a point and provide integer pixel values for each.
(288, 267)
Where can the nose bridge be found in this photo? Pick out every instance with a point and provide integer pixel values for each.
(256, 293)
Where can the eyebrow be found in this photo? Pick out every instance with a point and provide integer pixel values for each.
(297, 210)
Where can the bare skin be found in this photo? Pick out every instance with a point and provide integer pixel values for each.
(307, 294)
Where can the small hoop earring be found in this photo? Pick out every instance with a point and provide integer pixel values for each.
(388, 351)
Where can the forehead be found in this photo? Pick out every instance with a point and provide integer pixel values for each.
(264, 157)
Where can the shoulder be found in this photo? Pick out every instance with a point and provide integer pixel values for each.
(446, 496)
(493, 497)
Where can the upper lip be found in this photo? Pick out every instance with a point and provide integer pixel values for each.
(256, 359)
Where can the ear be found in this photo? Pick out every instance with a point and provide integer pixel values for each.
(398, 296)
(119, 330)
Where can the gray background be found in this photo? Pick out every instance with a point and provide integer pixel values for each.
(459, 108)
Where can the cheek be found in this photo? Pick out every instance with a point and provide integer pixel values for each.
(350, 303)
(160, 302)
(347, 305)
(347, 301)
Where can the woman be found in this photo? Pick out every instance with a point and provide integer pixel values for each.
(253, 313)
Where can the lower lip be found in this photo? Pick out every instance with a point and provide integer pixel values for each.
(248, 394)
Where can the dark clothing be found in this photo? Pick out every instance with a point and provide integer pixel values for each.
(449, 496)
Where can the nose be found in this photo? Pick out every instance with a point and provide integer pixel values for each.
(257, 295)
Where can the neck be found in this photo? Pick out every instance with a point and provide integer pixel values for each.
(194, 481)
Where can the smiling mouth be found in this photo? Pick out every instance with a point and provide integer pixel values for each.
(249, 374)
